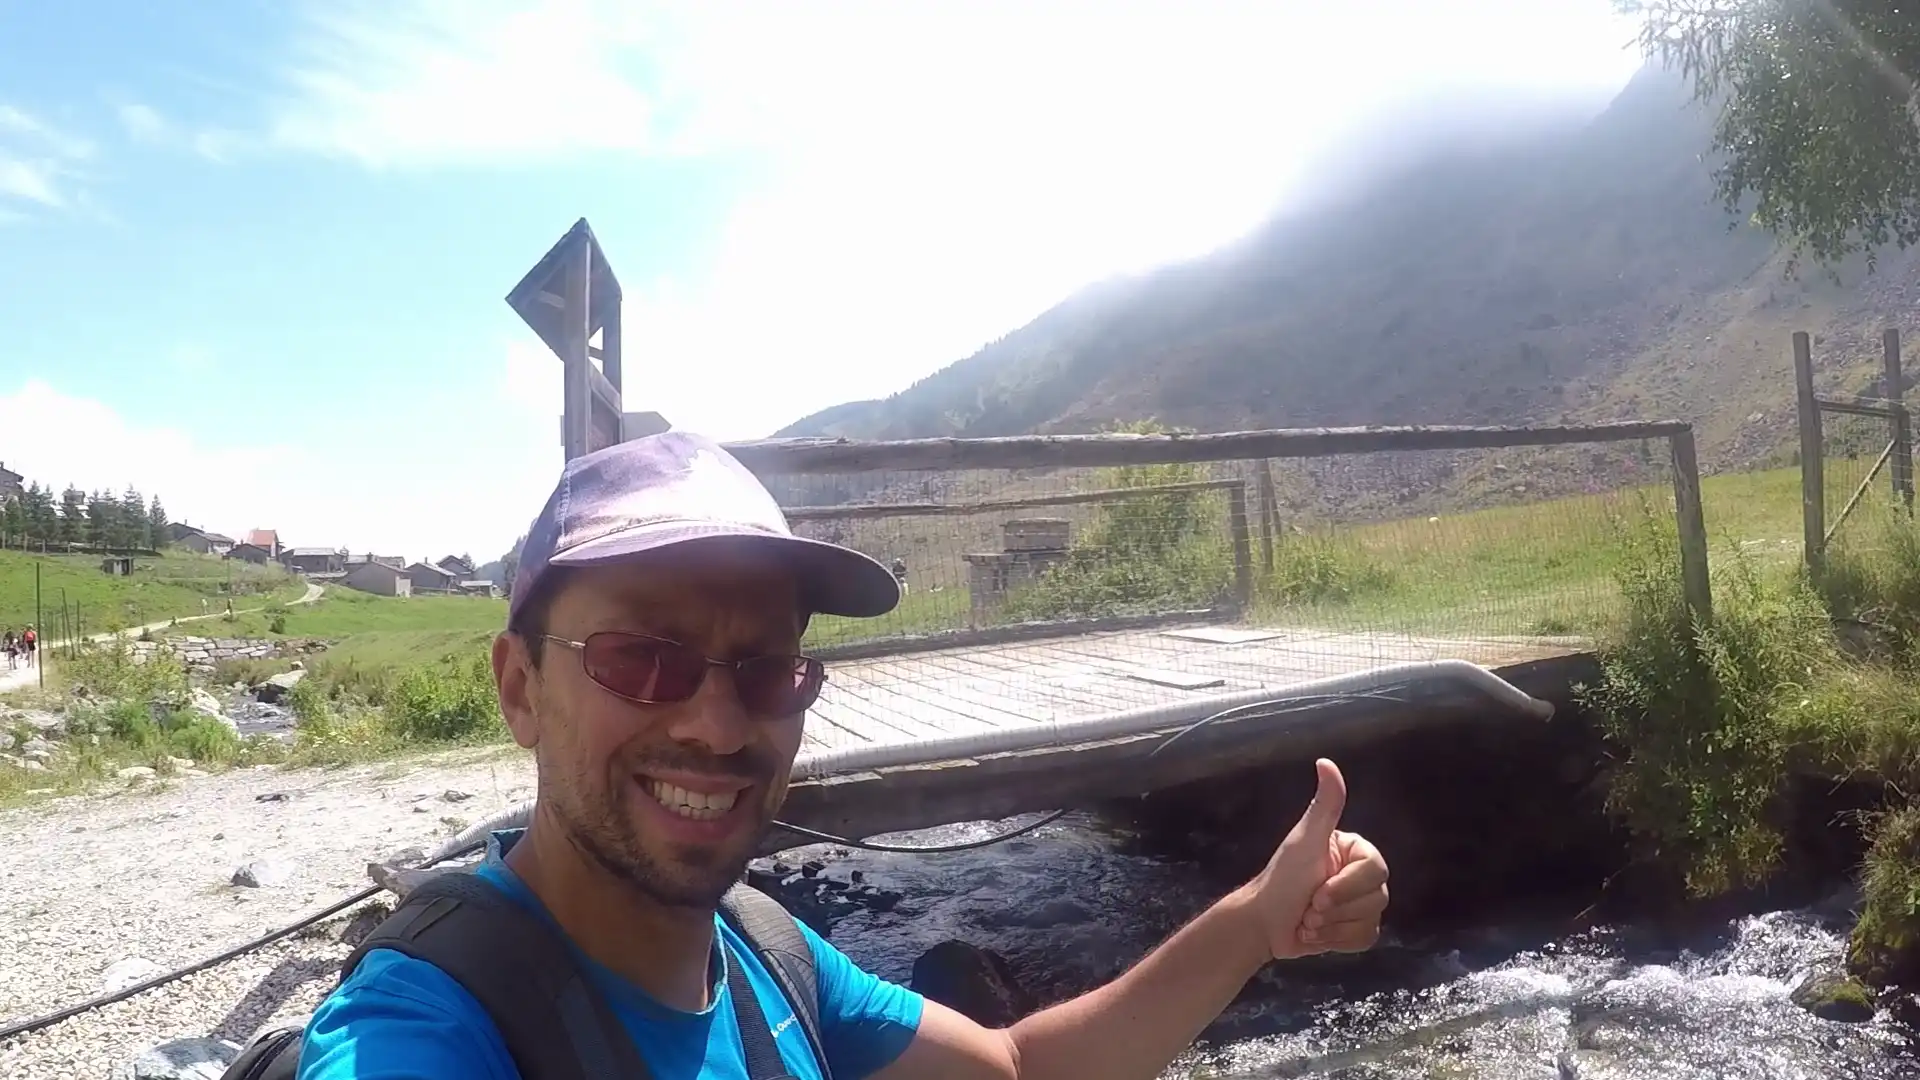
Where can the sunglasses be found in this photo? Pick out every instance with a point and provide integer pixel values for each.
(657, 671)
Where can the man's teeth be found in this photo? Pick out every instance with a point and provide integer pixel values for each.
(691, 804)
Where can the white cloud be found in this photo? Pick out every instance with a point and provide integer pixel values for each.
(38, 162)
(936, 173)
(148, 126)
(426, 496)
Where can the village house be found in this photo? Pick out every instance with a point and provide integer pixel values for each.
(457, 566)
(252, 553)
(314, 560)
(378, 578)
(12, 484)
(267, 540)
(479, 587)
(395, 561)
(198, 541)
(428, 578)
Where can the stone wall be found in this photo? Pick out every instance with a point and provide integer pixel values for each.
(202, 653)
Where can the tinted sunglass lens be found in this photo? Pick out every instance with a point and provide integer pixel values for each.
(644, 669)
(779, 685)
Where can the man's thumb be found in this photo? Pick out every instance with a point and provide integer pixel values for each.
(1329, 802)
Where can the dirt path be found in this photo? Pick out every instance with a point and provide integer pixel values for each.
(144, 874)
(22, 678)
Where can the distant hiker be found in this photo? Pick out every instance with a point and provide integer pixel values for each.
(30, 644)
(652, 667)
(900, 573)
(10, 645)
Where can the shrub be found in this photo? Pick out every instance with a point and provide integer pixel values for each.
(454, 699)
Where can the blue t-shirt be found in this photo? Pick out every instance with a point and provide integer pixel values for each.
(397, 1018)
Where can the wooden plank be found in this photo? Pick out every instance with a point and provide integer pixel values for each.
(1222, 635)
(1856, 408)
(1237, 524)
(873, 648)
(801, 457)
(1269, 511)
(1178, 680)
(991, 787)
(859, 511)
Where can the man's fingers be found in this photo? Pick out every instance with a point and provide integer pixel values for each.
(1351, 936)
(1354, 881)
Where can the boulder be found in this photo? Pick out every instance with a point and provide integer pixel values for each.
(1834, 995)
(181, 1059)
(974, 981)
(264, 873)
(128, 972)
(276, 687)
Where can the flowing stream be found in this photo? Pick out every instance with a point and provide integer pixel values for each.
(1072, 904)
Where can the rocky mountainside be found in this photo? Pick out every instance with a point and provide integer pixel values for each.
(1583, 273)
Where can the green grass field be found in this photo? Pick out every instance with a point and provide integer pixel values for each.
(164, 587)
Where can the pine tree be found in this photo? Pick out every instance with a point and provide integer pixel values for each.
(157, 523)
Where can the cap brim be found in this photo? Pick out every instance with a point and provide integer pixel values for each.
(833, 580)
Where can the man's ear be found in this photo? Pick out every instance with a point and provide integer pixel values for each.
(517, 681)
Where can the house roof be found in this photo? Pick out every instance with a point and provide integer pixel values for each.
(365, 564)
(440, 570)
(263, 538)
(242, 548)
(9, 476)
(454, 559)
(217, 538)
(309, 552)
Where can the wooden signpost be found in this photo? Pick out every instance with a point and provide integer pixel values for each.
(570, 298)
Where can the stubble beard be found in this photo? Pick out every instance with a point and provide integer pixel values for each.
(602, 829)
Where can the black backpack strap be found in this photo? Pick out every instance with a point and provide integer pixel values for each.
(756, 1036)
(775, 938)
(521, 971)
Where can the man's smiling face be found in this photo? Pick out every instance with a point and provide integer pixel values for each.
(672, 798)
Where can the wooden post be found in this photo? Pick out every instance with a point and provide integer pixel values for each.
(1812, 452)
(1690, 517)
(1242, 547)
(577, 277)
(1269, 511)
(1902, 457)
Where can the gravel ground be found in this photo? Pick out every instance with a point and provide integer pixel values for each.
(144, 874)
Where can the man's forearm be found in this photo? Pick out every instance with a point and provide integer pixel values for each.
(1135, 1025)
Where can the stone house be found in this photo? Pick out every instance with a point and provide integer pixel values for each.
(12, 484)
(378, 578)
(455, 565)
(252, 553)
(198, 541)
(428, 578)
(267, 540)
(314, 560)
(1029, 547)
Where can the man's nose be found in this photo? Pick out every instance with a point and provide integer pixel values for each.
(714, 717)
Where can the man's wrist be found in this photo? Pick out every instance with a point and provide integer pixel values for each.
(1239, 915)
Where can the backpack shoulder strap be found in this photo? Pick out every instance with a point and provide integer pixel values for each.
(773, 935)
(520, 970)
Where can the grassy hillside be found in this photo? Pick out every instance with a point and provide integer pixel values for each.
(163, 587)
(1582, 275)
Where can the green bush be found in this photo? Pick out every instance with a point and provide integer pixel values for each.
(1318, 570)
(454, 699)
(1699, 715)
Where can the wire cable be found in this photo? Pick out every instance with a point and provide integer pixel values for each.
(1274, 707)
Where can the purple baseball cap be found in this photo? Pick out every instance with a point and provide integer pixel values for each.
(675, 488)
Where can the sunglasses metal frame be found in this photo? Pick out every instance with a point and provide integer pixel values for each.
(580, 648)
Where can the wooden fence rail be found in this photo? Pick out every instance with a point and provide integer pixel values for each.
(813, 457)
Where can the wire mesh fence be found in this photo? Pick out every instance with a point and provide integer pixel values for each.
(1858, 482)
(1037, 595)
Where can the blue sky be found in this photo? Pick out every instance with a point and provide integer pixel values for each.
(252, 252)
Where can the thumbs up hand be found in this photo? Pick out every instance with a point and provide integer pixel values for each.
(1324, 890)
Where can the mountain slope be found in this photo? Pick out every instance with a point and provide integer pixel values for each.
(1587, 273)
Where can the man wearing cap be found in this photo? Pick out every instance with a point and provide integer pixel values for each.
(652, 663)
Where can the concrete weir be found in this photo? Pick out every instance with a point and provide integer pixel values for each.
(875, 788)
